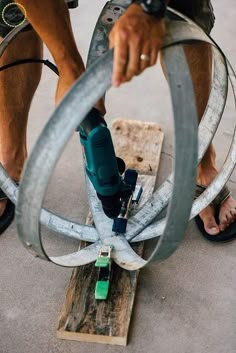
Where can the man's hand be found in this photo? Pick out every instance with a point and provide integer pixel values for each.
(135, 34)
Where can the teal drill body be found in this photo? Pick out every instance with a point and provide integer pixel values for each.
(100, 160)
(101, 163)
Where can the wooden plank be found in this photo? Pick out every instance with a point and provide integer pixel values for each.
(139, 144)
(82, 317)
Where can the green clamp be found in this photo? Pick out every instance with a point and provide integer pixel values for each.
(104, 264)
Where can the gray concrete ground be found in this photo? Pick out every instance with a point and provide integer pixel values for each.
(198, 281)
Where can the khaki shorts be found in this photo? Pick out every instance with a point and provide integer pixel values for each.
(200, 11)
(13, 16)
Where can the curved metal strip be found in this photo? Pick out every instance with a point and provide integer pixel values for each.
(124, 255)
(28, 209)
(185, 119)
(187, 32)
(50, 145)
(216, 103)
(70, 229)
(79, 258)
(49, 219)
(209, 121)
(185, 125)
(207, 128)
(74, 257)
(177, 31)
(122, 252)
(103, 224)
(212, 191)
(52, 221)
(98, 46)
(171, 224)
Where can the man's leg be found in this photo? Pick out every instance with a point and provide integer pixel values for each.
(200, 61)
(17, 87)
(51, 21)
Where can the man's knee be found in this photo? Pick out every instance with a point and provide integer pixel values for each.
(25, 45)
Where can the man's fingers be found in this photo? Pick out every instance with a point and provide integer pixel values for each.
(133, 67)
(121, 52)
(145, 57)
(153, 56)
(136, 39)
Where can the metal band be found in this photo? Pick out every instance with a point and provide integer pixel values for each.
(50, 220)
(28, 223)
(54, 222)
(56, 134)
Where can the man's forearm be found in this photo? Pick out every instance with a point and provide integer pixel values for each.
(50, 19)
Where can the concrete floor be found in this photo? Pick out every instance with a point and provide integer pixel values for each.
(198, 282)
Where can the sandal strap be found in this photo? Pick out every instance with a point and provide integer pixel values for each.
(219, 199)
(199, 190)
(3, 196)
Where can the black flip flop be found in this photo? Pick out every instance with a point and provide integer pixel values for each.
(230, 232)
(8, 215)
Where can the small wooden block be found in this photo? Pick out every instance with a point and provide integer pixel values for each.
(139, 144)
(82, 317)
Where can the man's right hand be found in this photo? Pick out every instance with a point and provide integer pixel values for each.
(134, 35)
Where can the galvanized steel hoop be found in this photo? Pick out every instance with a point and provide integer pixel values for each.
(28, 210)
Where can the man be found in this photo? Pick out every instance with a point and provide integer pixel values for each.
(136, 38)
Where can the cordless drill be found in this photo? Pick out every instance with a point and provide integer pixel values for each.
(102, 166)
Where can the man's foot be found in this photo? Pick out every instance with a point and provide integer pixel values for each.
(227, 215)
(227, 212)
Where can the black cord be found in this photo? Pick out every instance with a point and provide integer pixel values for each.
(31, 61)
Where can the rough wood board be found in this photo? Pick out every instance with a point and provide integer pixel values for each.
(139, 144)
(82, 317)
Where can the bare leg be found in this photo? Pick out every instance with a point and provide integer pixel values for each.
(199, 57)
(17, 87)
(56, 32)
(200, 60)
